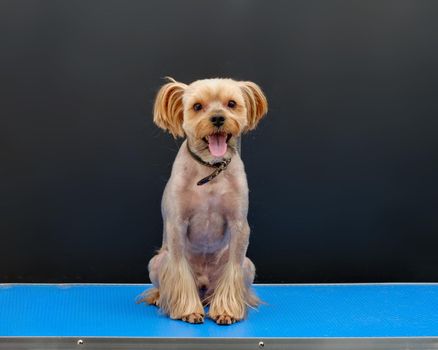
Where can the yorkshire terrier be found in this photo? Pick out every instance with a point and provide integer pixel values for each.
(203, 260)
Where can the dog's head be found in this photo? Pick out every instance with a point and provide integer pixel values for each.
(211, 113)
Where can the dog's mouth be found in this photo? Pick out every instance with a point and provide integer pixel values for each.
(217, 143)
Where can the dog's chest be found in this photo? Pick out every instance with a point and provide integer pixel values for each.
(207, 224)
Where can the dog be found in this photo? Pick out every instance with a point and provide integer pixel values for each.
(202, 261)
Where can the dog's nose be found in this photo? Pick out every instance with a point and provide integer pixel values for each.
(217, 120)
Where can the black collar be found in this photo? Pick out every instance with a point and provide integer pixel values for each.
(220, 166)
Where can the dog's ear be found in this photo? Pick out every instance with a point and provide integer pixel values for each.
(168, 108)
(256, 103)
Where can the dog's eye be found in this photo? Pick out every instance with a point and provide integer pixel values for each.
(197, 107)
(231, 103)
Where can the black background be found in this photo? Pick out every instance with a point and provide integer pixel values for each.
(343, 171)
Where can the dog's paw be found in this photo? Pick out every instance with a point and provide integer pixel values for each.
(225, 319)
(152, 297)
(193, 318)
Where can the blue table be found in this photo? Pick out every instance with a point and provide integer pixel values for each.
(105, 316)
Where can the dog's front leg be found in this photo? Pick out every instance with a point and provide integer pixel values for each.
(233, 294)
(179, 296)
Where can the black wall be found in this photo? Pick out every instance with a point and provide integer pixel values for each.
(343, 171)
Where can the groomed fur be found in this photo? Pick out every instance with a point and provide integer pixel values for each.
(206, 232)
(168, 107)
(149, 296)
(178, 295)
(232, 296)
(256, 103)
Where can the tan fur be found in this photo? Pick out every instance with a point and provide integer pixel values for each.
(206, 233)
(178, 293)
(168, 108)
(150, 296)
(257, 105)
(232, 295)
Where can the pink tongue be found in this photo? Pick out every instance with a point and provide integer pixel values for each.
(217, 143)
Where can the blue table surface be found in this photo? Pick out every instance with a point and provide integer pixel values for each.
(374, 310)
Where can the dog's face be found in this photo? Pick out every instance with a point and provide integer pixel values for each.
(212, 113)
